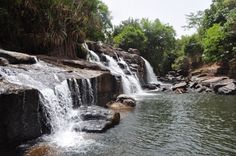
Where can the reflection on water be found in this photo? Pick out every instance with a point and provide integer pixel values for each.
(170, 124)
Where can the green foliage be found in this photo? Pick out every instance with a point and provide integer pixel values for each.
(155, 41)
(217, 30)
(189, 51)
(51, 25)
(130, 37)
(213, 43)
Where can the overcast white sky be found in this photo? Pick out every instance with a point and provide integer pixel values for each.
(168, 11)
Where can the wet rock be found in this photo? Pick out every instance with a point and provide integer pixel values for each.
(17, 58)
(96, 119)
(126, 100)
(151, 86)
(20, 118)
(108, 87)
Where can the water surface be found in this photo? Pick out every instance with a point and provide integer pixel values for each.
(168, 124)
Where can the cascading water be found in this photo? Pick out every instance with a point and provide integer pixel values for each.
(151, 77)
(92, 57)
(57, 98)
(130, 81)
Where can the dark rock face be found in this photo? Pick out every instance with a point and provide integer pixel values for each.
(17, 58)
(19, 114)
(108, 87)
(97, 119)
(151, 86)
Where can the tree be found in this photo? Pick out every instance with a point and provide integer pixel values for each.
(155, 41)
(213, 44)
(51, 26)
(130, 37)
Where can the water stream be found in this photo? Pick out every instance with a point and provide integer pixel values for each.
(130, 81)
(57, 97)
(165, 124)
(151, 77)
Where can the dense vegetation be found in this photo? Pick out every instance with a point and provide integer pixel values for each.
(59, 26)
(215, 40)
(52, 25)
(156, 41)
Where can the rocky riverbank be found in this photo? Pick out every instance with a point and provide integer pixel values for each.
(200, 81)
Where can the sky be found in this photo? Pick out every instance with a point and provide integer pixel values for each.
(172, 12)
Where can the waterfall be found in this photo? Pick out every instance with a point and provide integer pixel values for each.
(151, 77)
(92, 56)
(58, 97)
(87, 92)
(130, 81)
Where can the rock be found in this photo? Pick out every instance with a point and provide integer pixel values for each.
(84, 65)
(151, 86)
(127, 100)
(123, 102)
(107, 87)
(229, 89)
(118, 106)
(133, 51)
(210, 81)
(3, 61)
(201, 89)
(193, 84)
(179, 85)
(42, 150)
(96, 119)
(17, 58)
(180, 90)
(20, 117)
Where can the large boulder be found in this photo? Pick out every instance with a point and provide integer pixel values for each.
(96, 119)
(228, 89)
(20, 118)
(17, 58)
(127, 100)
(107, 88)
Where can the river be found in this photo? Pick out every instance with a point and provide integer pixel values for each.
(169, 124)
